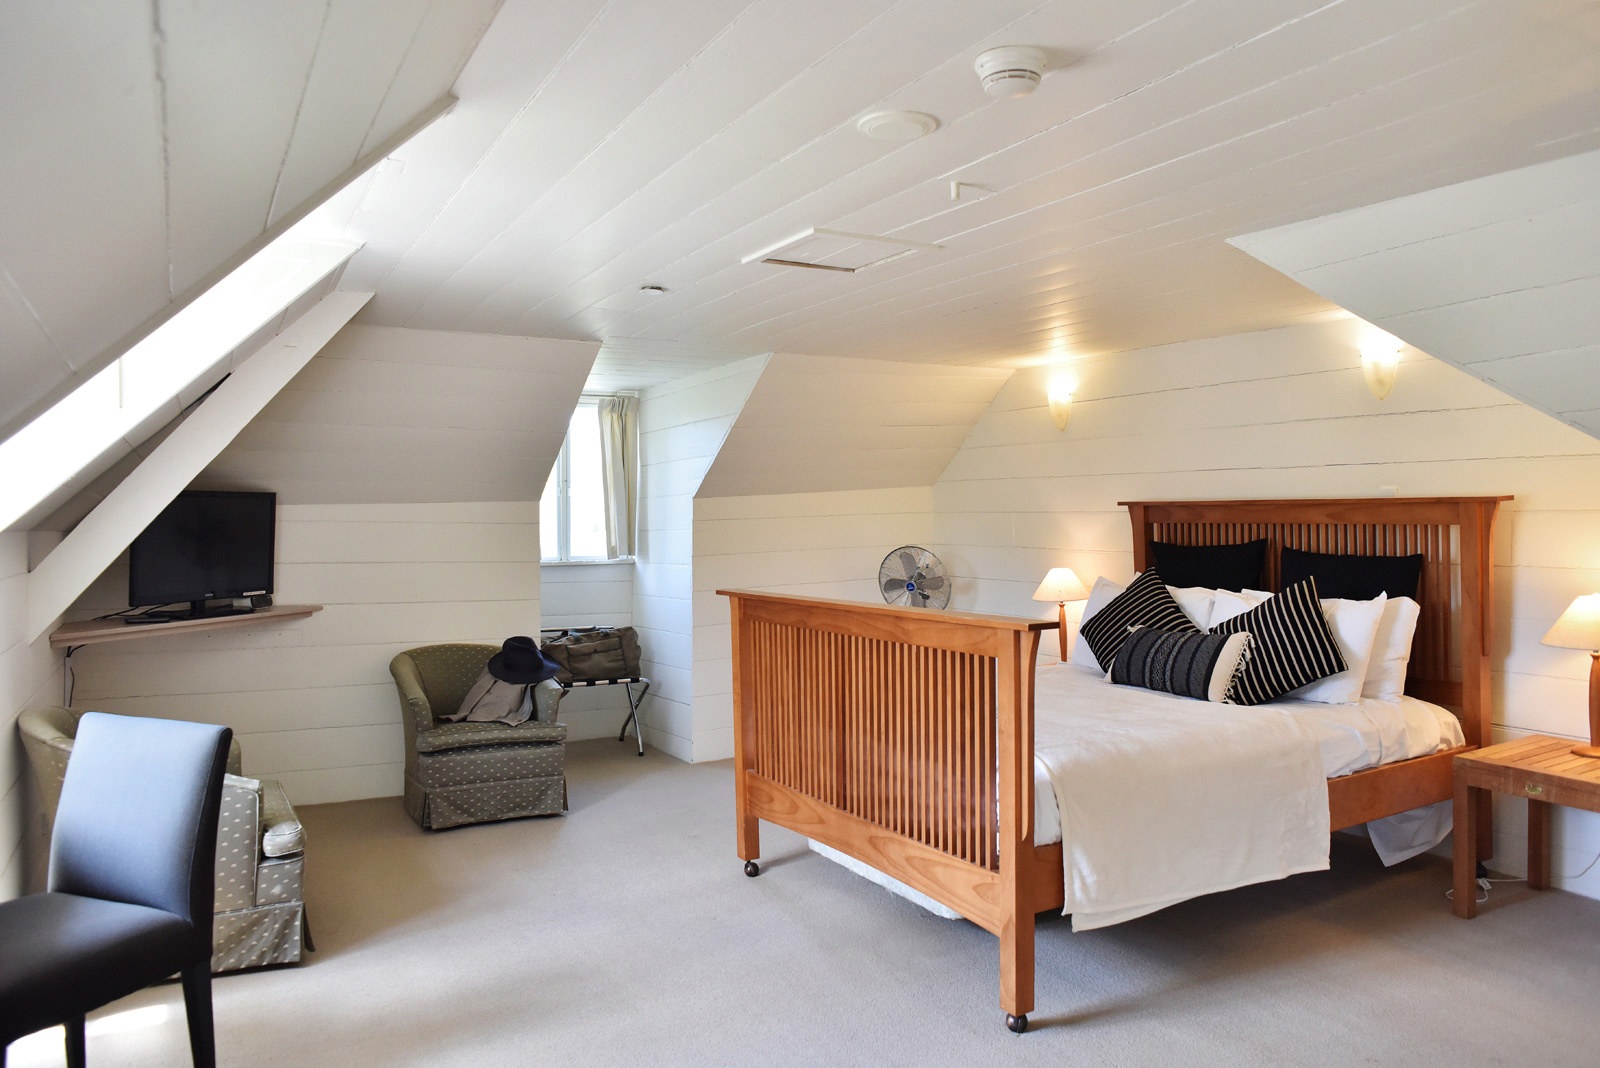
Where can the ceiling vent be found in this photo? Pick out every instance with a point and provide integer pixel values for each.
(837, 250)
(1010, 70)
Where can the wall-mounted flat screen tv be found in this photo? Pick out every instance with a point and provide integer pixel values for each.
(206, 545)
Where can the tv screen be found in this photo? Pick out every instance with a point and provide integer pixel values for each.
(206, 544)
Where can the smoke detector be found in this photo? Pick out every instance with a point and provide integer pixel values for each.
(1010, 70)
(897, 125)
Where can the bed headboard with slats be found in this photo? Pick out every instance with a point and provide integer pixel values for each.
(1450, 655)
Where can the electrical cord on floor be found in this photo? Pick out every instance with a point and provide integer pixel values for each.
(1486, 884)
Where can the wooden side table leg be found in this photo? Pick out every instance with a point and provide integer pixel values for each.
(1464, 850)
(1538, 845)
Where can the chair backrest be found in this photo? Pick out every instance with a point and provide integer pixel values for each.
(138, 815)
(448, 671)
(47, 735)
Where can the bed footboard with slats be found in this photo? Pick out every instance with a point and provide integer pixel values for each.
(903, 738)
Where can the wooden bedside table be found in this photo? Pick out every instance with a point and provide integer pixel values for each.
(1539, 768)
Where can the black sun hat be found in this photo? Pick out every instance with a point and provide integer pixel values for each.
(519, 661)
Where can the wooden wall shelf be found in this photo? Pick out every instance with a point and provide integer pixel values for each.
(94, 631)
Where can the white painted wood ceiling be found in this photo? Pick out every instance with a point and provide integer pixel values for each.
(146, 144)
(601, 145)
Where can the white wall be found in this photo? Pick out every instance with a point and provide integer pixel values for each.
(312, 701)
(30, 676)
(816, 544)
(681, 427)
(1285, 413)
(589, 595)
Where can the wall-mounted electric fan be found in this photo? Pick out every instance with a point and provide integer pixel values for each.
(911, 575)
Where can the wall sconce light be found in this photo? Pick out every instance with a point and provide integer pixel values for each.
(1380, 359)
(1059, 395)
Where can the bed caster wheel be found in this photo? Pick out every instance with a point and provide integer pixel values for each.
(752, 869)
(1017, 1024)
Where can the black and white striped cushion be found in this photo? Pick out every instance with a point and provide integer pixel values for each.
(1202, 666)
(1145, 603)
(1291, 645)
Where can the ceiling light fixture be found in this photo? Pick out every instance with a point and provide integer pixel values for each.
(653, 290)
(897, 125)
(1010, 70)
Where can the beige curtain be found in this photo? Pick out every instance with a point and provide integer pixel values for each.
(619, 458)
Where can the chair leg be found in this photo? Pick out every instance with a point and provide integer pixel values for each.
(197, 1004)
(77, 1053)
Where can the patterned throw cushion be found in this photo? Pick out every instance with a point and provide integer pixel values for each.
(1291, 645)
(1145, 603)
(1202, 666)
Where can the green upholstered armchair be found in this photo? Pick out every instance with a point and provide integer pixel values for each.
(260, 896)
(460, 773)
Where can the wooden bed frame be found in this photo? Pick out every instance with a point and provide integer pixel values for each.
(904, 738)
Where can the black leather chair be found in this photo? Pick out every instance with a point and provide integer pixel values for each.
(130, 884)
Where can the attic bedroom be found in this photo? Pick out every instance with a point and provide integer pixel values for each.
(864, 275)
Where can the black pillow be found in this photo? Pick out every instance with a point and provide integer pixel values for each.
(1145, 603)
(1355, 578)
(1291, 645)
(1217, 567)
(1202, 666)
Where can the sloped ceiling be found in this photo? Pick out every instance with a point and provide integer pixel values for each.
(149, 144)
(395, 416)
(815, 423)
(1499, 276)
(601, 145)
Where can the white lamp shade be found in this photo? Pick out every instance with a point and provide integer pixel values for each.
(1578, 627)
(1060, 585)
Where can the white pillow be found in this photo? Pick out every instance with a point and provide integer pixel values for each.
(1354, 625)
(1195, 601)
(1100, 595)
(1229, 603)
(1391, 649)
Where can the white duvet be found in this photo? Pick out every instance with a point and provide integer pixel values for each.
(1164, 798)
(1167, 798)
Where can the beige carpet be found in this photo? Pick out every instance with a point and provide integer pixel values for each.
(626, 933)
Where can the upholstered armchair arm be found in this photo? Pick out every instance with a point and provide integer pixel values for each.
(413, 698)
(255, 821)
(238, 842)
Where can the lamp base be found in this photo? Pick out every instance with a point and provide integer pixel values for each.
(1586, 750)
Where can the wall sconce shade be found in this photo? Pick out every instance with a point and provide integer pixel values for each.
(1059, 396)
(1579, 628)
(1061, 585)
(1380, 361)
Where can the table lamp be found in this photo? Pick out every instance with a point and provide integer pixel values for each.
(1579, 628)
(1061, 585)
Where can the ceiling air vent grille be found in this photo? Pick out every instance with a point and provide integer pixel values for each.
(837, 250)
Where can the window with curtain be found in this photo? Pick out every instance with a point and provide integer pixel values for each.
(588, 508)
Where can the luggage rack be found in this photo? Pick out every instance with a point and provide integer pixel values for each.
(627, 683)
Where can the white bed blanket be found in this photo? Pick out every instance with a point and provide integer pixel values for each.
(1163, 798)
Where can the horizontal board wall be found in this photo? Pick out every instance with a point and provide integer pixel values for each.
(312, 701)
(589, 595)
(30, 676)
(813, 544)
(1280, 414)
(682, 426)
